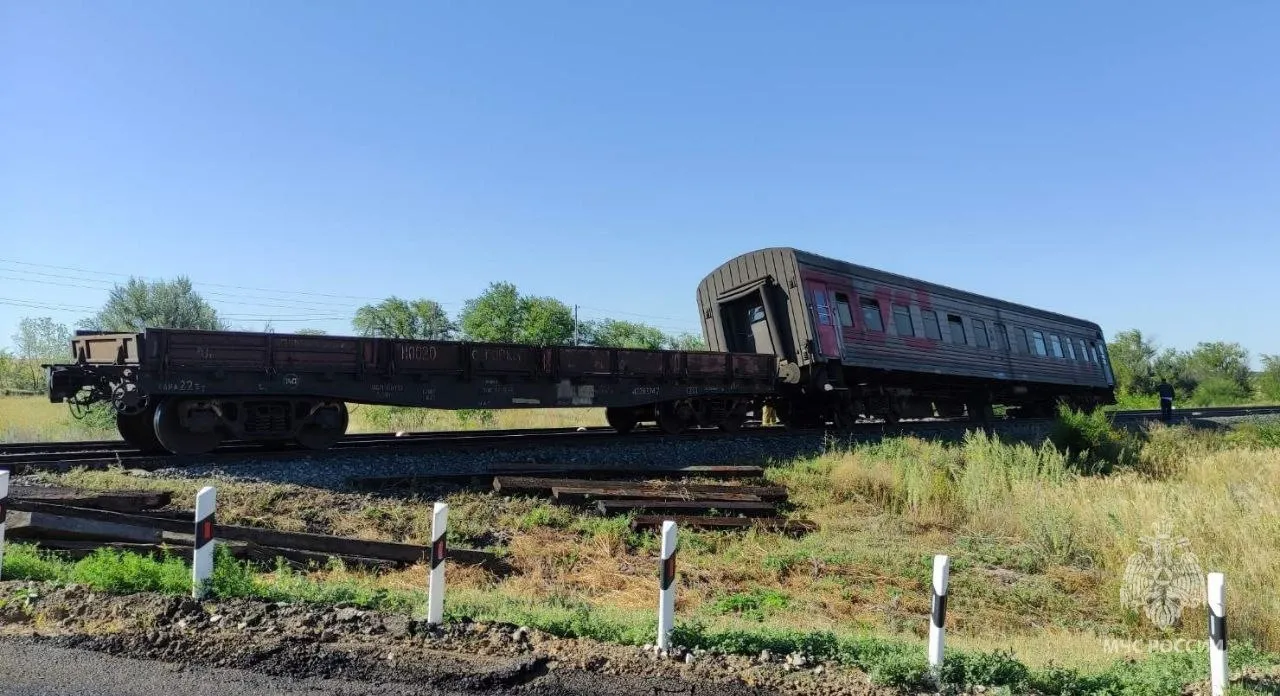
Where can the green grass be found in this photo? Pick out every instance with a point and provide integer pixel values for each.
(888, 662)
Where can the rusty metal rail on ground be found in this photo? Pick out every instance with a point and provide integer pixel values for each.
(79, 522)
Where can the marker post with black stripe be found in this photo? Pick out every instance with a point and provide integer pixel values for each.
(202, 562)
(667, 585)
(1217, 596)
(439, 550)
(938, 610)
(4, 512)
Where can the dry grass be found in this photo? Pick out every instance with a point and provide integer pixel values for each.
(1038, 551)
(36, 419)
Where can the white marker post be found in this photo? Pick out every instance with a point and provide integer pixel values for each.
(4, 513)
(439, 549)
(202, 562)
(938, 611)
(667, 585)
(1217, 596)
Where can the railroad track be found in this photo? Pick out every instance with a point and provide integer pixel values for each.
(101, 454)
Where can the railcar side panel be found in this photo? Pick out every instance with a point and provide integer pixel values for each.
(885, 324)
(439, 374)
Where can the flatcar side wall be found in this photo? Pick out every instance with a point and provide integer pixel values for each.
(440, 374)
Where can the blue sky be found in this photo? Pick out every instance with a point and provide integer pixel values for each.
(1116, 161)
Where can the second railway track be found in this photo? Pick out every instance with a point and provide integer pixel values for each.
(101, 454)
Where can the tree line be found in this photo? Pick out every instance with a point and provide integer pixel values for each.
(1211, 373)
(499, 314)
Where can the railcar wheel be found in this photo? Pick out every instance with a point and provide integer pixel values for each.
(622, 420)
(732, 422)
(138, 430)
(670, 421)
(197, 436)
(325, 427)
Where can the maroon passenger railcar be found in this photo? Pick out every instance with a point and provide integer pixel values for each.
(855, 341)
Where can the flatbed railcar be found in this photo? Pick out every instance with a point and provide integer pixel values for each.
(185, 391)
(855, 342)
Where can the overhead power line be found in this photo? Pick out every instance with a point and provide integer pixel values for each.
(324, 308)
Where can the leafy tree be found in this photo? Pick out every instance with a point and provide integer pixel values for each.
(10, 376)
(493, 316)
(39, 339)
(624, 334)
(501, 315)
(311, 332)
(686, 341)
(163, 304)
(545, 321)
(1269, 378)
(1219, 359)
(1171, 365)
(397, 318)
(1131, 362)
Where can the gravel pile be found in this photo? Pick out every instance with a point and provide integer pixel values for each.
(333, 469)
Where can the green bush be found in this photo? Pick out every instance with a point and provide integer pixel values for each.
(1091, 443)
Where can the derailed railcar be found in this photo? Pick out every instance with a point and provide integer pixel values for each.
(853, 341)
(187, 391)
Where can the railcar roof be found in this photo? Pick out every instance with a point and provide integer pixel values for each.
(811, 259)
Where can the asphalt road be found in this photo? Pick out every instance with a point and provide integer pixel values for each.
(31, 668)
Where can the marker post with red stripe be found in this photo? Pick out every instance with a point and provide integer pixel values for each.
(1217, 596)
(439, 550)
(202, 562)
(4, 512)
(938, 610)
(667, 594)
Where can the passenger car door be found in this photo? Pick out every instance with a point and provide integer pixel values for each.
(828, 339)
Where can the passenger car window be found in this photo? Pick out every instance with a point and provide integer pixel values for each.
(980, 333)
(902, 321)
(957, 330)
(1071, 349)
(1056, 343)
(1084, 354)
(871, 314)
(1002, 336)
(931, 329)
(1024, 344)
(842, 306)
(1039, 339)
(820, 303)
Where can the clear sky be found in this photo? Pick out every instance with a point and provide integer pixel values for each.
(1115, 161)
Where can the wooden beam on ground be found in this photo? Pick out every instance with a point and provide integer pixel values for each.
(79, 548)
(375, 483)
(543, 486)
(773, 524)
(577, 495)
(62, 521)
(120, 501)
(621, 507)
(35, 525)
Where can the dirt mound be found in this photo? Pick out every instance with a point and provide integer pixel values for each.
(345, 642)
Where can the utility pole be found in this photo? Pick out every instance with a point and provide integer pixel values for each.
(575, 325)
